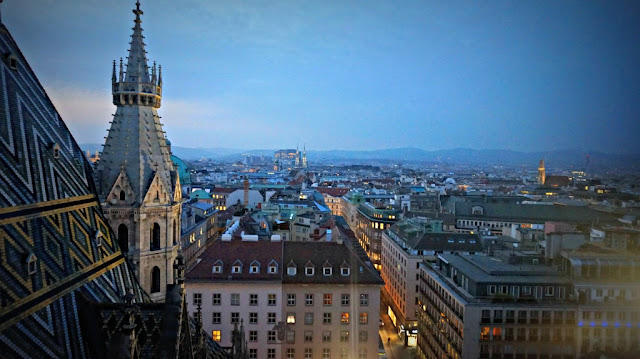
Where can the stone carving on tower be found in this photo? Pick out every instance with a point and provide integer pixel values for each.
(136, 180)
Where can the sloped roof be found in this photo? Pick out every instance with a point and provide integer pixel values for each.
(321, 253)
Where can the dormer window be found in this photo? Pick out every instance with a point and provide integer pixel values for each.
(273, 267)
(309, 270)
(327, 269)
(236, 267)
(31, 264)
(345, 271)
(99, 238)
(254, 267)
(12, 61)
(217, 267)
(477, 210)
(55, 149)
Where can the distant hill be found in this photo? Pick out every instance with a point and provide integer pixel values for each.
(561, 158)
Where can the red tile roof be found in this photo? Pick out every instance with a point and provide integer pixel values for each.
(231, 251)
(333, 191)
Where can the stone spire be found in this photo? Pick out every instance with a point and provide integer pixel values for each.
(137, 70)
(136, 138)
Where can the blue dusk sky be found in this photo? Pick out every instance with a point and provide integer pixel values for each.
(519, 75)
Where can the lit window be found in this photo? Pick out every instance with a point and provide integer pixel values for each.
(291, 318)
(327, 299)
(344, 318)
(216, 336)
(364, 318)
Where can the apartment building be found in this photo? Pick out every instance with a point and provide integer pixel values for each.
(293, 299)
(371, 221)
(475, 306)
(405, 245)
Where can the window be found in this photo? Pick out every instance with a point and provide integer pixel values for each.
(308, 336)
(309, 270)
(291, 353)
(326, 318)
(344, 299)
(271, 336)
(344, 353)
(504, 289)
(308, 299)
(291, 336)
(271, 318)
(253, 335)
(291, 270)
(291, 299)
(291, 318)
(155, 237)
(235, 317)
(364, 318)
(273, 268)
(308, 353)
(271, 353)
(253, 353)
(235, 298)
(364, 299)
(327, 298)
(491, 289)
(254, 267)
(344, 318)
(526, 290)
(363, 336)
(344, 336)
(236, 268)
(215, 335)
(253, 299)
(327, 271)
(215, 299)
(326, 336)
(308, 318)
(215, 318)
(155, 280)
(123, 236)
(197, 299)
(345, 271)
(548, 291)
(253, 318)
(326, 353)
(362, 353)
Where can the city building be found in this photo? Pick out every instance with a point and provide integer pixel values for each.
(512, 305)
(292, 299)
(405, 245)
(136, 180)
(370, 223)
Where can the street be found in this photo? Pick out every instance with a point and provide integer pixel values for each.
(395, 347)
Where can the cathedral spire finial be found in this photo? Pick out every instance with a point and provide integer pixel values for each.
(137, 11)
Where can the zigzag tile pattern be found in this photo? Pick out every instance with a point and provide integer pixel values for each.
(49, 210)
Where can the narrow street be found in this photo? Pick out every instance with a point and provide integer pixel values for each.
(395, 347)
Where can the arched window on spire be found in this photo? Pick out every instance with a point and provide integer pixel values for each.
(155, 280)
(123, 238)
(155, 237)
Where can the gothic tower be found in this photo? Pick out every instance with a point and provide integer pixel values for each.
(541, 173)
(135, 177)
(304, 157)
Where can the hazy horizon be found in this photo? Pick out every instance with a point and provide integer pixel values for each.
(352, 76)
